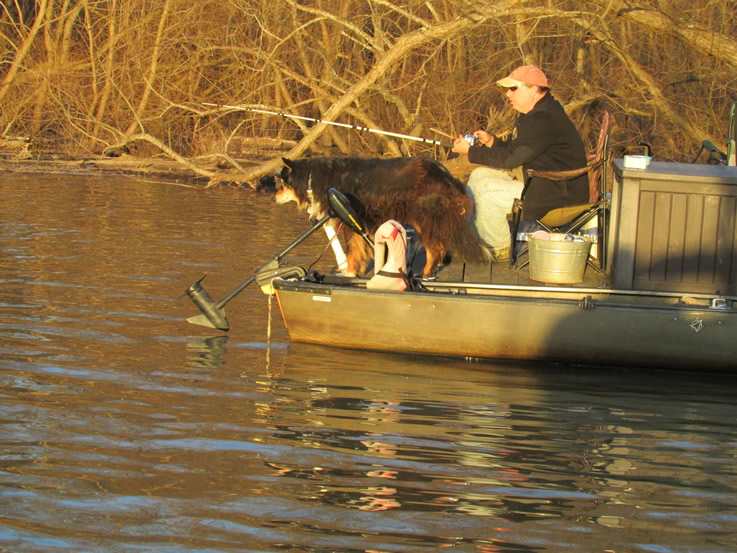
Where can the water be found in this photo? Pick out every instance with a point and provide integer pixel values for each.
(124, 428)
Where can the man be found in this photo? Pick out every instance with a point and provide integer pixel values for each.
(543, 138)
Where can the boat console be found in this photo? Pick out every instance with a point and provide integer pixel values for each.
(674, 228)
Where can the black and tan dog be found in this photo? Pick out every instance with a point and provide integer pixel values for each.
(414, 191)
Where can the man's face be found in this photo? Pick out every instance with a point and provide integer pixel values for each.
(523, 97)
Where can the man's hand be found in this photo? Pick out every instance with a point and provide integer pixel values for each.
(485, 138)
(461, 146)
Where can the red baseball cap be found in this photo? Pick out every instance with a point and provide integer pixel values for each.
(526, 74)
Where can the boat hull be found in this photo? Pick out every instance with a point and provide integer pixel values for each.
(578, 328)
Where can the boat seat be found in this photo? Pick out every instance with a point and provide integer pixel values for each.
(571, 219)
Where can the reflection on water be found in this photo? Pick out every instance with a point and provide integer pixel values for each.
(123, 428)
(208, 353)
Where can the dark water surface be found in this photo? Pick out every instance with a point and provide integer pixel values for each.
(124, 428)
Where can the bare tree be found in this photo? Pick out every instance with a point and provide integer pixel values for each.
(132, 75)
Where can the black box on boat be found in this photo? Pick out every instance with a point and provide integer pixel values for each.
(674, 227)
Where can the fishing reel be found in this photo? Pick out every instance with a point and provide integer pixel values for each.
(472, 139)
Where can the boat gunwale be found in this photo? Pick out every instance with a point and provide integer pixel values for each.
(586, 297)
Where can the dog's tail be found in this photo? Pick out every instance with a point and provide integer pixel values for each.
(466, 244)
(445, 226)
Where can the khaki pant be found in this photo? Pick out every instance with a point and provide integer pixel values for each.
(493, 192)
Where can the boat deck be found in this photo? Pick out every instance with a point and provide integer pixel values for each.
(500, 272)
(497, 272)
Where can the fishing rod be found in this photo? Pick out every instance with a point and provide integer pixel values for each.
(345, 125)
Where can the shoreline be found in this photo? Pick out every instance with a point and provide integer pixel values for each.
(103, 166)
(129, 165)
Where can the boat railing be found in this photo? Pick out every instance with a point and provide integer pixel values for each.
(464, 287)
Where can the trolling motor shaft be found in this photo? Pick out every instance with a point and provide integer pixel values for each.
(213, 313)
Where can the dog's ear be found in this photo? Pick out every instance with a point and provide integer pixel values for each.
(288, 163)
(284, 174)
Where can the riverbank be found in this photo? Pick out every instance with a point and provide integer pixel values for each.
(19, 155)
(91, 166)
(160, 167)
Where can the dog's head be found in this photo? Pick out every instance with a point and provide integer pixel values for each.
(292, 185)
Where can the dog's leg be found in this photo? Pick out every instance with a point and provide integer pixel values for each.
(340, 256)
(431, 263)
(359, 255)
(432, 252)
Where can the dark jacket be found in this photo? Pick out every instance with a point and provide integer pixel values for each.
(543, 139)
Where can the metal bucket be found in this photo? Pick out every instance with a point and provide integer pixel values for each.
(558, 261)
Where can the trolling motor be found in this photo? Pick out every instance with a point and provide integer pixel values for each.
(213, 313)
